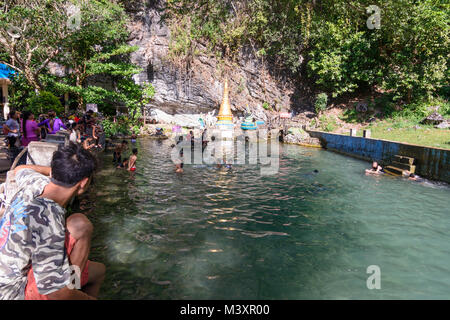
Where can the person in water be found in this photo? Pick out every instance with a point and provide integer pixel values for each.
(376, 169)
(132, 161)
(117, 157)
(179, 160)
(133, 138)
(179, 167)
(412, 176)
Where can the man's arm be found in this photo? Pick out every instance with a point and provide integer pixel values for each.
(8, 129)
(43, 122)
(39, 169)
(69, 294)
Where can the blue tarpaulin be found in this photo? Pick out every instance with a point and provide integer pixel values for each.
(5, 71)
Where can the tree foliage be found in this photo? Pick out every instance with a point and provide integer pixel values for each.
(31, 32)
(330, 40)
(86, 40)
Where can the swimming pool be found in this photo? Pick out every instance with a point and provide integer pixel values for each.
(218, 234)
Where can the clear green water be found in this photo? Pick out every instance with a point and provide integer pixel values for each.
(213, 234)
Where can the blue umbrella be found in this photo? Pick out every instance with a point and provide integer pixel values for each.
(5, 71)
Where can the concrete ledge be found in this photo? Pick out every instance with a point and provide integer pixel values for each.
(431, 163)
(41, 153)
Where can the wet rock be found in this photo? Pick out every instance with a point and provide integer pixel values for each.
(196, 86)
(434, 119)
(443, 125)
(299, 136)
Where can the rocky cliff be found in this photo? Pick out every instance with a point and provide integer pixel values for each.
(198, 87)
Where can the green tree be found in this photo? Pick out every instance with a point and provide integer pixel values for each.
(31, 32)
(43, 102)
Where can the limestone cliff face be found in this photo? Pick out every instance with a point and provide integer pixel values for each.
(199, 87)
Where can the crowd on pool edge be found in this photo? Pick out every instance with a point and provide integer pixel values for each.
(21, 128)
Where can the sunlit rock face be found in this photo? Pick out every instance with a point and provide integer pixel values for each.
(198, 87)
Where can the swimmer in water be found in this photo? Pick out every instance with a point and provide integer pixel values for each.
(179, 160)
(376, 169)
(133, 138)
(415, 177)
(124, 164)
(118, 151)
(179, 167)
(132, 161)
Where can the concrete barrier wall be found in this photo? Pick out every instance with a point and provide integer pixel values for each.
(431, 163)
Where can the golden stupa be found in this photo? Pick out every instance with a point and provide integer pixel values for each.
(225, 115)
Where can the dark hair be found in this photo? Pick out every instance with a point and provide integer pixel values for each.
(135, 151)
(72, 164)
(412, 175)
(26, 115)
(12, 113)
(124, 142)
(90, 111)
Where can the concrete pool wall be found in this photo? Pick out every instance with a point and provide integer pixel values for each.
(431, 163)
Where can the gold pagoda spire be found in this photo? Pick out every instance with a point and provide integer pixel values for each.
(225, 113)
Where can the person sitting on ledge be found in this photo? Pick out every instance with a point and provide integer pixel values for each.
(159, 131)
(39, 249)
(376, 169)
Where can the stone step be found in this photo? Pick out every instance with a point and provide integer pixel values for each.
(393, 170)
(403, 159)
(404, 166)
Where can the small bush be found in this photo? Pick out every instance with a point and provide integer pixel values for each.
(328, 124)
(44, 102)
(321, 102)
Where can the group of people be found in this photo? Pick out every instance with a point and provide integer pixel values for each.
(190, 139)
(126, 163)
(43, 254)
(22, 128)
(377, 169)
